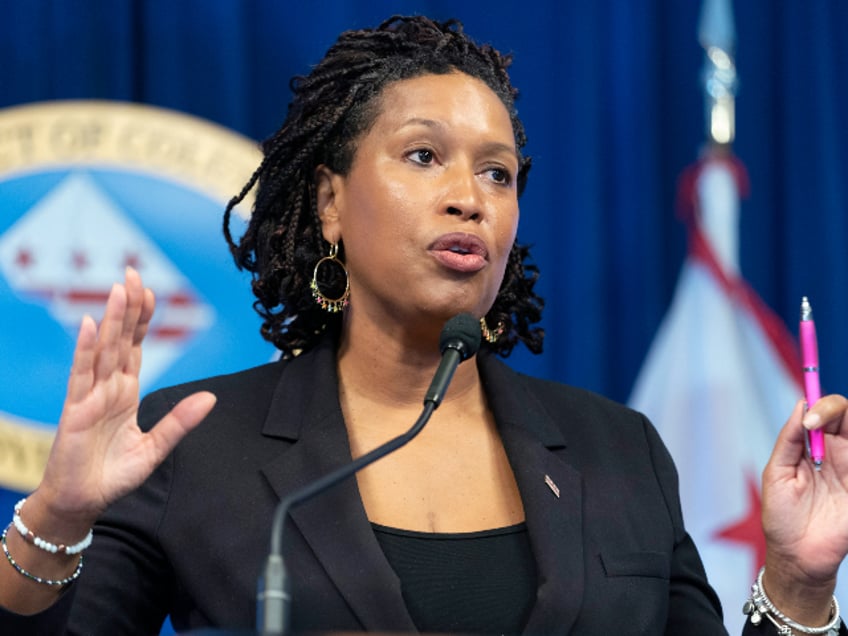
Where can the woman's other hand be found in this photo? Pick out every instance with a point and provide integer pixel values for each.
(805, 512)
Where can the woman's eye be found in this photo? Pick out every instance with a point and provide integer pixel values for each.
(499, 175)
(422, 156)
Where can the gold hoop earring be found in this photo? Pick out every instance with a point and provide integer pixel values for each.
(488, 335)
(331, 305)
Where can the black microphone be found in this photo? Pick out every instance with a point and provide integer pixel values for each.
(460, 339)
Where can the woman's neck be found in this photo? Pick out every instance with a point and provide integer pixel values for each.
(395, 370)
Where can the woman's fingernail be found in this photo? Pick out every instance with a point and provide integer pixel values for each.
(811, 420)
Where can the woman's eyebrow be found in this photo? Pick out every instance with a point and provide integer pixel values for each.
(490, 147)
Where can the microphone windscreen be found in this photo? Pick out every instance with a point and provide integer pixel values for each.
(462, 332)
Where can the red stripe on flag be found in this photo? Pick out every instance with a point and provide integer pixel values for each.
(180, 299)
(170, 333)
(82, 296)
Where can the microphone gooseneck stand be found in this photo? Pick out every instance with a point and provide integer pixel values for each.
(459, 340)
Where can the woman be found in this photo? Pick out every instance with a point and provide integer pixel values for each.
(388, 203)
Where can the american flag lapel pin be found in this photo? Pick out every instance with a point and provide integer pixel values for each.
(554, 488)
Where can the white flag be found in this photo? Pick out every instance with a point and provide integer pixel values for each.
(719, 381)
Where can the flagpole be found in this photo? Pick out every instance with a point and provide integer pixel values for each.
(717, 36)
(719, 225)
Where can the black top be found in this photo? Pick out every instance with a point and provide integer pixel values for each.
(467, 583)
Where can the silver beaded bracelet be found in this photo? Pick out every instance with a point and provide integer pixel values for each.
(760, 605)
(32, 577)
(45, 545)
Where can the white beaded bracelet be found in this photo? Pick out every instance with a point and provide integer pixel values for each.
(760, 605)
(45, 545)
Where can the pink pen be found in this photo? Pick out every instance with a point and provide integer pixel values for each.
(812, 389)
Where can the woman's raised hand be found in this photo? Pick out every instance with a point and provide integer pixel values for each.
(99, 453)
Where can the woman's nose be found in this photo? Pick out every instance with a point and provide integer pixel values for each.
(463, 196)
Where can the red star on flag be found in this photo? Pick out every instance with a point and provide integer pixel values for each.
(748, 530)
(24, 258)
(131, 259)
(79, 259)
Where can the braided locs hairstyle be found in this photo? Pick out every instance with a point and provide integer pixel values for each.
(332, 107)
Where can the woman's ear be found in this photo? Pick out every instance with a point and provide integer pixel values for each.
(330, 198)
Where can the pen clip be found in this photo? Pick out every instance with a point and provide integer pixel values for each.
(809, 450)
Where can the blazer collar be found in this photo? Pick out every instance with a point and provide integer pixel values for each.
(305, 409)
(551, 492)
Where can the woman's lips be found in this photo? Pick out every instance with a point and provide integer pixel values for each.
(460, 252)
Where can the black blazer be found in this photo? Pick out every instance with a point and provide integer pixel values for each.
(612, 554)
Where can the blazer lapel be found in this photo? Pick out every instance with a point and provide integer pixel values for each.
(550, 491)
(306, 411)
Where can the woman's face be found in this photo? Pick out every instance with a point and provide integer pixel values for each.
(428, 212)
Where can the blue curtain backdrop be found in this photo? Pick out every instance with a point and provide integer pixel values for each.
(612, 101)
